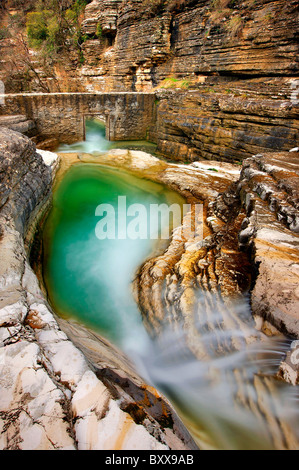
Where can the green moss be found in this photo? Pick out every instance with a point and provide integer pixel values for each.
(172, 82)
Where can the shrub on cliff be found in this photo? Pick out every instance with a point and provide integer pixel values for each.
(42, 26)
(55, 26)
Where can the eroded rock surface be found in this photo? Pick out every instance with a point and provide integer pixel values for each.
(225, 120)
(269, 189)
(148, 41)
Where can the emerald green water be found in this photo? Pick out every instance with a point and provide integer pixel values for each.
(87, 278)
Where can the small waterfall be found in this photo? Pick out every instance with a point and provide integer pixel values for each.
(94, 143)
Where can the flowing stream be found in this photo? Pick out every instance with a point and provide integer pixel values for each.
(96, 142)
(222, 402)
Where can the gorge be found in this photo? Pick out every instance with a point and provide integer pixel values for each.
(185, 345)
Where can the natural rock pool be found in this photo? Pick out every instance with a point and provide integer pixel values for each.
(89, 278)
(229, 399)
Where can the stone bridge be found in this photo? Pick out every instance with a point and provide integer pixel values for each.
(61, 116)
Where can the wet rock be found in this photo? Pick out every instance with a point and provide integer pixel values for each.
(271, 182)
(289, 368)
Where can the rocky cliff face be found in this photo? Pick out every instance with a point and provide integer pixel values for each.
(135, 45)
(143, 42)
(227, 120)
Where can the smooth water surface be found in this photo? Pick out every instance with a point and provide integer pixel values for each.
(88, 278)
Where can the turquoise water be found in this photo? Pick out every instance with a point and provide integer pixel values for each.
(88, 278)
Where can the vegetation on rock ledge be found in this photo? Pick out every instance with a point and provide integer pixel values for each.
(52, 26)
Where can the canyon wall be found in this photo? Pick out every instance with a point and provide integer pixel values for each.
(143, 42)
(227, 120)
(225, 74)
(135, 45)
(232, 68)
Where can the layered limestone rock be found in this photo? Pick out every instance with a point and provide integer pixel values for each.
(154, 40)
(52, 396)
(234, 65)
(101, 16)
(227, 120)
(217, 48)
(19, 123)
(137, 44)
(269, 191)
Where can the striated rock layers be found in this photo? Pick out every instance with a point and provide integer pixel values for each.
(225, 120)
(239, 61)
(52, 396)
(232, 68)
(219, 50)
(137, 44)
